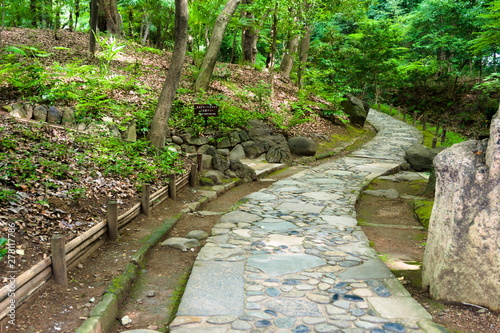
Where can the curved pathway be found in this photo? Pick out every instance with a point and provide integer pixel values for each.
(291, 258)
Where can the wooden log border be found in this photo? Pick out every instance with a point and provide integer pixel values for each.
(35, 277)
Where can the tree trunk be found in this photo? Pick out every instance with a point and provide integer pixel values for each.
(208, 64)
(108, 18)
(159, 124)
(273, 49)
(287, 61)
(248, 37)
(304, 54)
(93, 26)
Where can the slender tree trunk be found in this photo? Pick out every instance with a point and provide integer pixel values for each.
(273, 49)
(93, 26)
(304, 54)
(77, 14)
(159, 124)
(287, 61)
(210, 59)
(248, 36)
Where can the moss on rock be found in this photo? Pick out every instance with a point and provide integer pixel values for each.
(423, 210)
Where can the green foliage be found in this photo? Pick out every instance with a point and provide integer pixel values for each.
(3, 247)
(7, 195)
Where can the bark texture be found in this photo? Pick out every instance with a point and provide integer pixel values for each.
(159, 124)
(210, 59)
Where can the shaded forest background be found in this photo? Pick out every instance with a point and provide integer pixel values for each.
(434, 57)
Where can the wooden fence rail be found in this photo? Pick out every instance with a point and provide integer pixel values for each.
(86, 243)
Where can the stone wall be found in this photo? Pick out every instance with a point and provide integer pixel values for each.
(462, 257)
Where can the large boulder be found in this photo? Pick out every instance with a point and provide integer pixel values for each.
(420, 157)
(242, 171)
(54, 115)
(462, 257)
(355, 109)
(253, 149)
(275, 145)
(302, 146)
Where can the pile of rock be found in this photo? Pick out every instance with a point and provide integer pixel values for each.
(65, 116)
(223, 154)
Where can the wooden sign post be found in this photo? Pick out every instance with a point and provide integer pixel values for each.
(206, 110)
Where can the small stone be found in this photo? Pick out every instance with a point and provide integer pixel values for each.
(352, 298)
(241, 325)
(321, 299)
(262, 323)
(151, 293)
(326, 328)
(80, 266)
(126, 320)
(285, 323)
(313, 320)
(301, 329)
(395, 327)
(271, 312)
(273, 292)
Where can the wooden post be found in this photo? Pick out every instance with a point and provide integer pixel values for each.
(424, 122)
(437, 129)
(434, 142)
(145, 200)
(199, 161)
(443, 136)
(172, 187)
(414, 118)
(112, 220)
(59, 269)
(193, 175)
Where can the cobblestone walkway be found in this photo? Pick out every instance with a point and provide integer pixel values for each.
(291, 258)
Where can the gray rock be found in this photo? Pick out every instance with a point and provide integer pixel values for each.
(253, 149)
(177, 140)
(302, 146)
(130, 133)
(181, 243)
(244, 136)
(215, 175)
(224, 143)
(355, 109)
(234, 138)
(220, 163)
(278, 155)
(54, 116)
(464, 233)
(390, 194)
(238, 153)
(196, 140)
(68, 116)
(206, 161)
(420, 157)
(242, 171)
(197, 234)
(40, 113)
(257, 128)
(223, 152)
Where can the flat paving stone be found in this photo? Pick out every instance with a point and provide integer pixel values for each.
(203, 296)
(282, 264)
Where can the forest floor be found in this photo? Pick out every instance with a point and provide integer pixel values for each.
(57, 309)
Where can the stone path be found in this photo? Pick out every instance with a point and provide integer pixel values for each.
(291, 258)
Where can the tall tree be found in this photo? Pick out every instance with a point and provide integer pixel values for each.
(159, 123)
(210, 59)
(108, 17)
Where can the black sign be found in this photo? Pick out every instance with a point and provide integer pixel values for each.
(206, 110)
